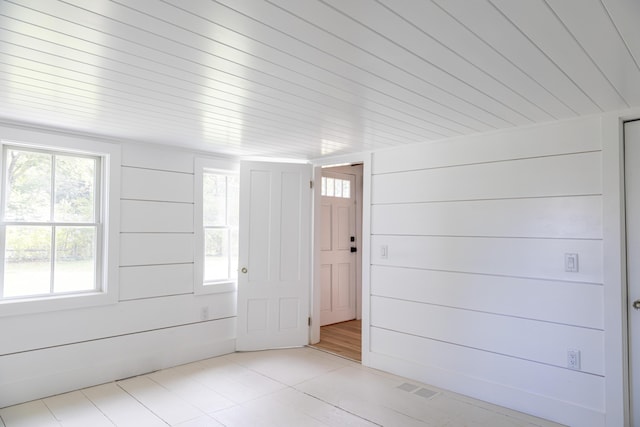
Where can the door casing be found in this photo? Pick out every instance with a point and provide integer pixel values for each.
(354, 204)
(632, 212)
(364, 247)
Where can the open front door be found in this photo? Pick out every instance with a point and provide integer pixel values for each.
(274, 278)
(337, 245)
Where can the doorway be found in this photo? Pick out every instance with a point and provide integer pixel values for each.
(632, 189)
(338, 301)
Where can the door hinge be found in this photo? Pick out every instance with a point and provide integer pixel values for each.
(309, 321)
(310, 184)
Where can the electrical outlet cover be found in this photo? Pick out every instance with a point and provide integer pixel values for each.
(573, 359)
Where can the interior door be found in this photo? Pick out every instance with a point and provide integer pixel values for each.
(274, 277)
(337, 248)
(632, 185)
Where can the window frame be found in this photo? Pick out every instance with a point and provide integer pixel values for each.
(202, 166)
(107, 194)
(96, 223)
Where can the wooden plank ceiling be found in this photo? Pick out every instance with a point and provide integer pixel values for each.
(312, 78)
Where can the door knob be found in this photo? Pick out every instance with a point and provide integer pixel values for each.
(636, 304)
(244, 270)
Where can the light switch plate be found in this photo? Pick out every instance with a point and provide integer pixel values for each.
(384, 251)
(571, 263)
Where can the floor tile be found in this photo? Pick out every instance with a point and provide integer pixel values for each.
(235, 382)
(276, 410)
(317, 409)
(166, 405)
(291, 387)
(378, 398)
(120, 407)
(203, 421)
(30, 414)
(192, 391)
(75, 410)
(287, 366)
(238, 416)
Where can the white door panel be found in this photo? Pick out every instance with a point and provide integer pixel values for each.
(274, 279)
(632, 185)
(337, 262)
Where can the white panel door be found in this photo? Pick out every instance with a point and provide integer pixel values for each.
(274, 279)
(337, 262)
(632, 185)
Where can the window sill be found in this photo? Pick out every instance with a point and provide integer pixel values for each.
(216, 288)
(17, 307)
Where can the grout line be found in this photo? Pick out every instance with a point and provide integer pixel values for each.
(96, 406)
(140, 402)
(338, 407)
(43, 400)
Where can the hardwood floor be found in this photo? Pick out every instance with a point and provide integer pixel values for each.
(343, 339)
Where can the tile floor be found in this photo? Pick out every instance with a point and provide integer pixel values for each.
(292, 387)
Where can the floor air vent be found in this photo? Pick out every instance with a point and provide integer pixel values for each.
(419, 391)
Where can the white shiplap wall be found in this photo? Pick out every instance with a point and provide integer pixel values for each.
(473, 296)
(157, 323)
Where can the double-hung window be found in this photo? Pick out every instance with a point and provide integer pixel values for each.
(217, 215)
(52, 231)
(57, 234)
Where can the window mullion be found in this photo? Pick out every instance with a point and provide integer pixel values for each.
(52, 220)
(226, 223)
(53, 258)
(3, 229)
(229, 254)
(3, 235)
(98, 218)
(52, 196)
(226, 200)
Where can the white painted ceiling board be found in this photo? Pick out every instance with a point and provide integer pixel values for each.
(440, 59)
(312, 78)
(624, 14)
(590, 23)
(430, 18)
(490, 24)
(274, 56)
(345, 27)
(381, 80)
(341, 73)
(540, 23)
